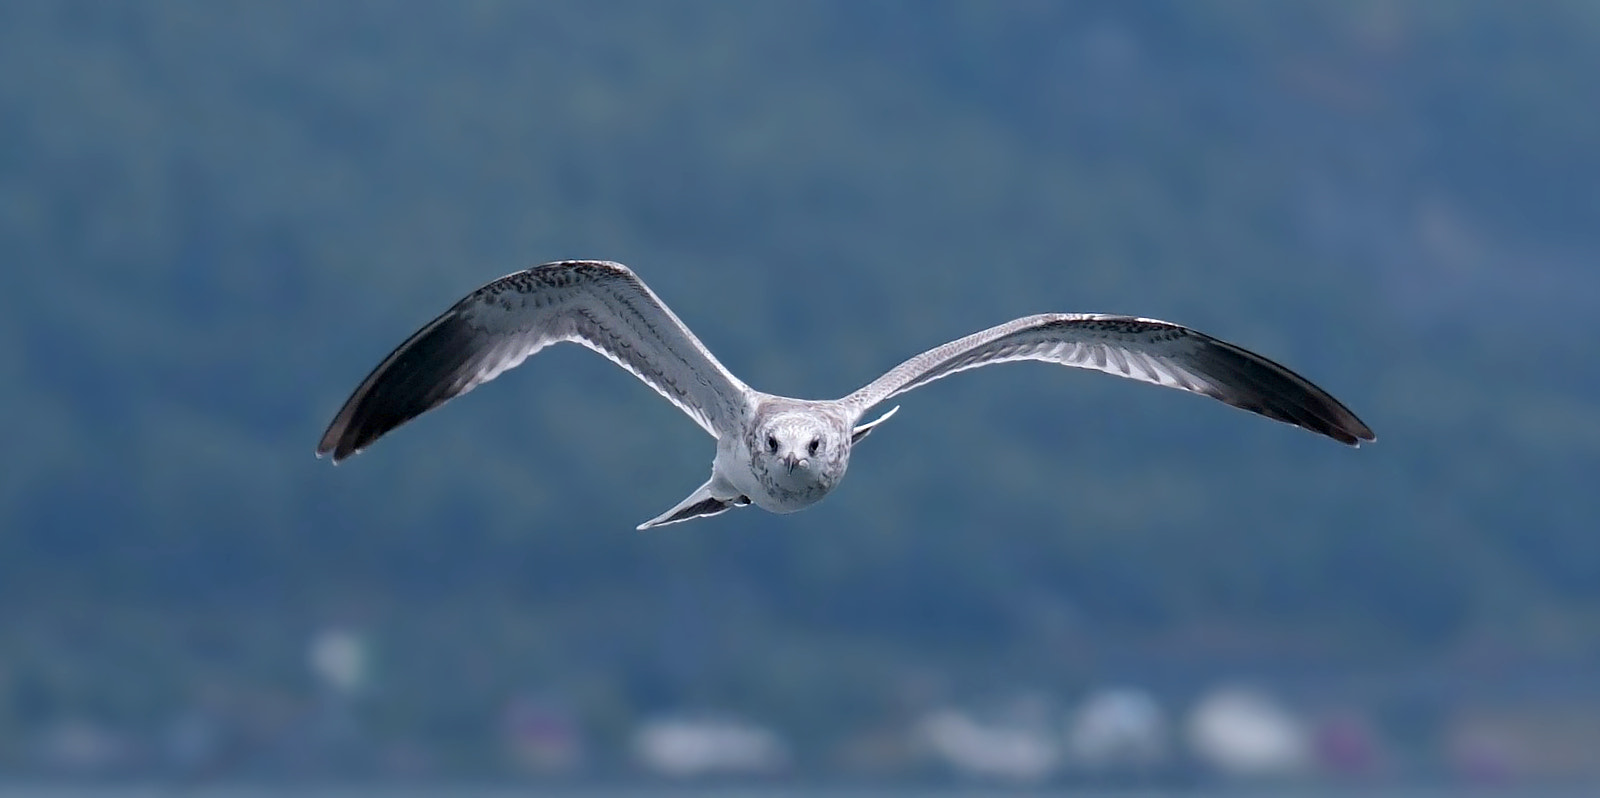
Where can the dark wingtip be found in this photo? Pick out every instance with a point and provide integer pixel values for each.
(365, 419)
(331, 447)
(1349, 430)
(417, 376)
(1339, 422)
(1283, 395)
(1361, 434)
(1334, 420)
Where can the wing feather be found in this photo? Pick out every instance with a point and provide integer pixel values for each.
(598, 304)
(1147, 350)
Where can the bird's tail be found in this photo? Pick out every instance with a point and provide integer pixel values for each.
(699, 505)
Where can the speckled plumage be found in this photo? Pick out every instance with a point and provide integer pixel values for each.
(779, 453)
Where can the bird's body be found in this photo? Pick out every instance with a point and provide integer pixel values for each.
(779, 453)
(791, 453)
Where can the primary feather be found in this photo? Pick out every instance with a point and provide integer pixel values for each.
(598, 304)
(1147, 350)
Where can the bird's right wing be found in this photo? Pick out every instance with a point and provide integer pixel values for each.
(1147, 350)
(598, 304)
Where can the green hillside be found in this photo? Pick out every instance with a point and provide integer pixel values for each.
(216, 217)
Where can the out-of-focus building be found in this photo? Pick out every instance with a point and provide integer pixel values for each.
(1118, 731)
(193, 741)
(989, 750)
(81, 747)
(339, 659)
(1244, 733)
(709, 745)
(1523, 744)
(541, 738)
(1347, 747)
(876, 753)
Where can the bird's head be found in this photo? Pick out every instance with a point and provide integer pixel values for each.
(800, 447)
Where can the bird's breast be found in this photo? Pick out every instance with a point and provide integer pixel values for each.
(786, 495)
(780, 490)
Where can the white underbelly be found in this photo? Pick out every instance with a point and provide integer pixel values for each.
(782, 495)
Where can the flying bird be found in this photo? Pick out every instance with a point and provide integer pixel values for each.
(779, 453)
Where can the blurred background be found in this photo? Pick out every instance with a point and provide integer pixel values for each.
(216, 217)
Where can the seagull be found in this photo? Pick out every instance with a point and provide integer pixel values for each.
(776, 452)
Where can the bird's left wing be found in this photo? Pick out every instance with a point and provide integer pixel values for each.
(1147, 350)
(601, 305)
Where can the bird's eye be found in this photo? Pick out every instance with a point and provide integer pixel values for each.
(772, 444)
(815, 442)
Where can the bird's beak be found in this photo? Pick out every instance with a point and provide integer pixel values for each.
(792, 461)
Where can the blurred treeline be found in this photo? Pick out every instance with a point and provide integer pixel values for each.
(216, 216)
